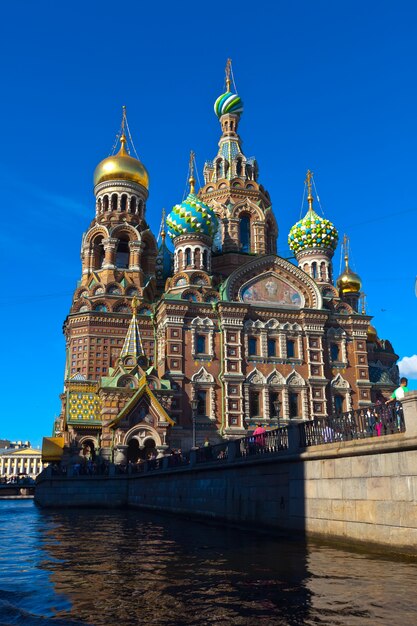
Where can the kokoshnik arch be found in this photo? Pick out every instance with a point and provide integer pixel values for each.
(222, 324)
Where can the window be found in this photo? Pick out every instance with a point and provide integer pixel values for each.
(338, 404)
(272, 347)
(253, 345)
(202, 402)
(334, 352)
(244, 233)
(273, 397)
(254, 407)
(201, 344)
(122, 253)
(290, 348)
(293, 402)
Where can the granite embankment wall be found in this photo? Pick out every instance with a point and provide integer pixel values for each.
(361, 491)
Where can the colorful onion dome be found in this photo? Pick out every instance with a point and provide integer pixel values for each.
(312, 231)
(228, 103)
(191, 217)
(121, 166)
(348, 281)
(371, 334)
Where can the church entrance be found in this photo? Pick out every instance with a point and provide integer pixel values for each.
(88, 450)
(136, 453)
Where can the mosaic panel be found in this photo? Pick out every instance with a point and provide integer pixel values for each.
(83, 406)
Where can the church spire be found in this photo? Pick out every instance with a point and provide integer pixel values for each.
(227, 72)
(191, 178)
(133, 342)
(308, 182)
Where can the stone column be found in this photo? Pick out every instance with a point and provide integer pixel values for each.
(135, 255)
(409, 404)
(87, 257)
(109, 245)
(120, 454)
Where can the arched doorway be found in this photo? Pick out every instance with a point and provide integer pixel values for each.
(136, 452)
(88, 450)
(133, 451)
(149, 449)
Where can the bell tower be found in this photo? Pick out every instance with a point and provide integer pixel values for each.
(246, 222)
(118, 254)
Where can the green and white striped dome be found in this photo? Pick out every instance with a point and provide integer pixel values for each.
(228, 103)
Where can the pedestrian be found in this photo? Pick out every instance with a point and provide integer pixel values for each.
(396, 397)
(207, 449)
(400, 392)
(259, 435)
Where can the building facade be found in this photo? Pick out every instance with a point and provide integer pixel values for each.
(18, 460)
(165, 348)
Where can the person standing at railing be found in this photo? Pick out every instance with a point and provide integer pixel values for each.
(400, 392)
(207, 449)
(259, 436)
(397, 396)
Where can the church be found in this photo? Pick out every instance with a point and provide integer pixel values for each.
(170, 345)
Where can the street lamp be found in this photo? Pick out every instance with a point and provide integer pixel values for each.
(277, 408)
(194, 405)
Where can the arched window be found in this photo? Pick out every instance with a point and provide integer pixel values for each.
(122, 253)
(133, 204)
(114, 202)
(187, 257)
(106, 203)
(244, 233)
(123, 202)
(239, 167)
(323, 270)
(338, 403)
(99, 205)
(205, 258)
(219, 169)
(335, 351)
(254, 404)
(197, 257)
(314, 269)
(98, 253)
(293, 401)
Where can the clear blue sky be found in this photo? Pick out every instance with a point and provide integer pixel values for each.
(327, 85)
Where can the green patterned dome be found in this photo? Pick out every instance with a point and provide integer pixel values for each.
(191, 216)
(313, 231)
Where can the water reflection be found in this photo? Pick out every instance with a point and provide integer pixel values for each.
(133, 569)
(127, 567)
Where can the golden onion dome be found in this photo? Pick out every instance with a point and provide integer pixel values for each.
(371, 334)
(348, 281)
(121, 166)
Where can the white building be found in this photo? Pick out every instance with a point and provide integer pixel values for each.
(18, 458)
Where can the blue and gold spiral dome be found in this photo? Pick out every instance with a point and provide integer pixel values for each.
(228, 103)
(313, 231)
(191, 217)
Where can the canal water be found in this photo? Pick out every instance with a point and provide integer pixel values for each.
(122, 568)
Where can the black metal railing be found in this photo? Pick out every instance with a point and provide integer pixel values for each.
(265, 443)
(372, 421)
